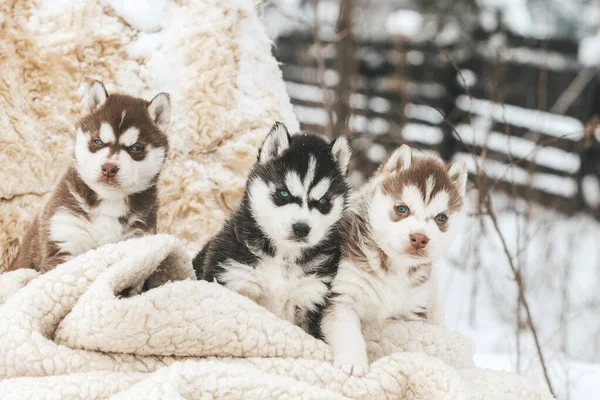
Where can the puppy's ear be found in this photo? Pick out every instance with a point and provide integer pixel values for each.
(459, 174)
(341, 152)
(401, 158)
(276, 142)
(95, 96)
(160, 111)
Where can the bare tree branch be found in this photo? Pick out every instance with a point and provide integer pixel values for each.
(321, 69)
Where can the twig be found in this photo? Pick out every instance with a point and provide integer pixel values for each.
(518, 279)
(321, 69)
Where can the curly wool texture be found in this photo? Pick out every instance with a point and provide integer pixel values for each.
(67, 334)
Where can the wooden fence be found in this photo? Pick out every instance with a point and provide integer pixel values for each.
(524, 106)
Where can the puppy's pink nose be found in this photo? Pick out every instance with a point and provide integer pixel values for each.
(418, 240)
(109, 170)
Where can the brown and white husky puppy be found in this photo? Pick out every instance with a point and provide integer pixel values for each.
(109, 191)
(396, 226)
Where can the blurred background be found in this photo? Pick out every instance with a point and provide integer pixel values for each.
(512, 88)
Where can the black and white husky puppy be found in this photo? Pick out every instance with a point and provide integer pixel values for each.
(281, 246)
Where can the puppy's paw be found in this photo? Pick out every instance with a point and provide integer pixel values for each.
(357, 369)
(352, 362)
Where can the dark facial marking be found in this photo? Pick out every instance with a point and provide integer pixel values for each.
(123, 112)
(296, 158)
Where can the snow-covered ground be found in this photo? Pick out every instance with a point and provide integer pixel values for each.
(560, 259)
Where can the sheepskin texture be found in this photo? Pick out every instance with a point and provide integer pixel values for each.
(65, 334)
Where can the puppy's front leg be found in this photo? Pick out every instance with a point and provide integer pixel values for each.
(342, 330)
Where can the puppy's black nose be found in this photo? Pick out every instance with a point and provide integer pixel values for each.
(301, 230)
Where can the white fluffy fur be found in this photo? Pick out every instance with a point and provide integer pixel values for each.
(129, 137)
(107, 135)
(278, 284)
(75, 235)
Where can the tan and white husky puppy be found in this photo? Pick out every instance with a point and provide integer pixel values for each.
(398, 223)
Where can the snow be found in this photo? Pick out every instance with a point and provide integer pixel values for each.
(449, 34)
(518, 147)
(591, 190)
(358, 123)
(466, 78)
(589, 50)
(554, 252)
(419, 133)
(376, 153)
(405, 23)
(146, 45)
(536, 121)
(497, 170)
(430, 90)
(379, 126)
(358, 100)
(423, 113)
(311, 115)
(415, 57)
(142, 15)
(312, 74)
(488, 20)
(559, 185)
(305, 92)
(278, 20)
(545, 59)
(517, 17)
(379, 104)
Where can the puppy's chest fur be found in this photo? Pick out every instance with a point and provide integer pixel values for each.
(280, 284)
(407, 294)
(75, 220)
(75, 231)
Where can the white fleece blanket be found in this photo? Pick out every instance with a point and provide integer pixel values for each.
(66, 335)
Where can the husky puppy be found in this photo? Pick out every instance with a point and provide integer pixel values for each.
(281, 246)
(109, 191)
(396, 226)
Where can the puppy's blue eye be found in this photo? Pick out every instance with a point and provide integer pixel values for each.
(135, 147)
(402, 209)
(284, 194)
(323, 201)
(98, 142)
(441, 217)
